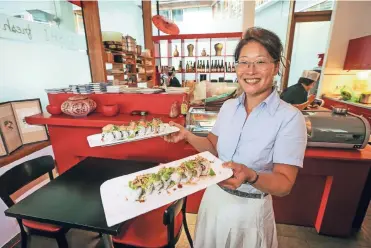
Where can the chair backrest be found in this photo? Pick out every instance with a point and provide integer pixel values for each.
(22, 174)
(169, 219)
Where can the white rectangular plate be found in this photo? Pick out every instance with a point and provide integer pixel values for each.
(114, 192)
(96, 139)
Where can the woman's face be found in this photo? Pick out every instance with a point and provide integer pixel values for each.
(256, 72)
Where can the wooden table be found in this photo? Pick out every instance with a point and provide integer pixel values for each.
(73, 199)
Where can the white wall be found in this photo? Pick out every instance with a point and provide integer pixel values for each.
(9, 226)
(351, 19)
(28, 67)
(122, 16)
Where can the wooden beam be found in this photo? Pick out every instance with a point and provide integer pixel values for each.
(313, 16)
(147, 24)
(94, 40)
(289, 44)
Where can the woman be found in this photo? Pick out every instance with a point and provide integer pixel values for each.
(262, 139)
(297, 94)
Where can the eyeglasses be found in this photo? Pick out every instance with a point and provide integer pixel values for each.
(259, 65)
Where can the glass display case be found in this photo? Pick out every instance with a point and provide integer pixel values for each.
(199, 121)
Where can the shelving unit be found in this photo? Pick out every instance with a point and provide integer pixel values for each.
(133, 68)
(164, 47)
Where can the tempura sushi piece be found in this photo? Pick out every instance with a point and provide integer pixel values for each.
(124, 131)
(135, 194)
(141, 127)
(155, 125)
(157, 182)
(145, 183)
(165, 174)
(107, 133)
(149, 128)
(177, 176)
(118, 135)
(205, 165)
(162, 126)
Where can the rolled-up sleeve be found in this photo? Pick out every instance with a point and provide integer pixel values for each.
(291, 141)
(219, 119)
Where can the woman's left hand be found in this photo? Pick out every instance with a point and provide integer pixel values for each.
(241, 173)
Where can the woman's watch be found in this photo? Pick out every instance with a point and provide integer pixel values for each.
(253, 181)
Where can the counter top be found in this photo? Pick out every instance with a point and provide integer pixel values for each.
(94, 119)
(366, 106)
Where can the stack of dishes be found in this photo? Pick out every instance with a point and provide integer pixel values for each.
(81, 89)
(99, 88)
(114, 89)
(57, 90)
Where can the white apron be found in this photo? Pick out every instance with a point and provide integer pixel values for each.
(228, 221)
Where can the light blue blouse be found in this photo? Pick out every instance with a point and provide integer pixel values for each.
(274, 132)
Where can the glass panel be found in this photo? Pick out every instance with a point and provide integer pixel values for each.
(198, 17)
(125, 17)
(314, 5)
(45, 40)
(309, 41)
(274, 16)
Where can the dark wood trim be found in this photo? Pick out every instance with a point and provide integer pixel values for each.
(289, 45)
(147, 24)
(22, 152)
(13, 242)
(197, 36)
(94, 40)
(310, 16)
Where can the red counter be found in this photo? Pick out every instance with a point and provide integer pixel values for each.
(326, 194)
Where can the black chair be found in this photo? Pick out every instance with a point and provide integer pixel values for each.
(16, 178)
(147, 230)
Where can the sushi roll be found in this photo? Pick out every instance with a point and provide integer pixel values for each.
(165, 174)
(132, 129)
(149, 128)
(145, 183)
(107, 133)
(205, 165)
(118, 135)
(177, 176)
(142, 126)
(162, 126)
(157, 182)
(124, 132)
(136, 192)
(155, 126)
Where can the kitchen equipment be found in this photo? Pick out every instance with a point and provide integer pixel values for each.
(199, 121)
(339, 110)
(365, 98)
(326, 129)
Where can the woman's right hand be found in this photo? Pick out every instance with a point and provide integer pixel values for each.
(178, 136)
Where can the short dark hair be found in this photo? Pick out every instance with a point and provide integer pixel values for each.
(266, 38)
(305, 81)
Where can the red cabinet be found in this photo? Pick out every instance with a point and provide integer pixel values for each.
(359, 54)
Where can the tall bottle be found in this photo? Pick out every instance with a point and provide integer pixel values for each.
(229, 67)
(233, 68)
(180, 67)
(207, 67)
(203, 66)
(187, 67)
(222, 66)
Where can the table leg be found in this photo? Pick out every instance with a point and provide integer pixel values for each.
(107, 240)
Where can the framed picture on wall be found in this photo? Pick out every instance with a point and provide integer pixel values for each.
(10, 139)
(29, 133)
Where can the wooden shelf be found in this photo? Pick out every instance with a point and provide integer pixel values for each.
(23, 151)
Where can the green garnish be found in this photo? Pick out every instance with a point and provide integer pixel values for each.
(190, 165)
(212, 172)
(131, 185)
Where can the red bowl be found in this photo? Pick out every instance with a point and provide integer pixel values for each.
(110, 110)
(53, 109)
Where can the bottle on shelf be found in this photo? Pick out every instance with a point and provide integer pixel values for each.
(222, 66)
(203, 66)
(226, 67)
(207, 67)
(217, 66)
(187, 67)
(233, 68)
(180, 67)
(229, 67)
(212, 66)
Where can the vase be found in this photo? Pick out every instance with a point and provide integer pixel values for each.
(218, 49)
(174, 110)
(78, 106)
(190, 49)
(176, 52)
(203, 53)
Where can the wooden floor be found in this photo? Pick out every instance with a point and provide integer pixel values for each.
(288, 237)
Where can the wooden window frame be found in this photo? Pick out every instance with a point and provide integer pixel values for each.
(299, 17)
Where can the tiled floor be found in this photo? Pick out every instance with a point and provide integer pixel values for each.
(288, 237)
